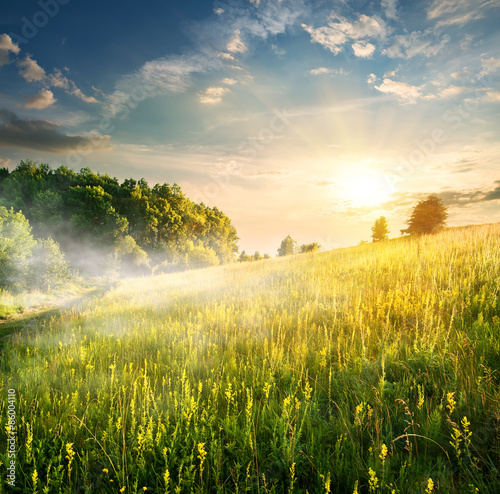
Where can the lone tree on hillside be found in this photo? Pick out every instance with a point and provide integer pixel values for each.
(380, 230)
(428, 216)
(288, 246)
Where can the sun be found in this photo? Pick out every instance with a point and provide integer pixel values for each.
(363, 187)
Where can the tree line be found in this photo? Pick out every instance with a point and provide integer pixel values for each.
(102, 224)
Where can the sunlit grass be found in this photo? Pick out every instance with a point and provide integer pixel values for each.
(370, 369)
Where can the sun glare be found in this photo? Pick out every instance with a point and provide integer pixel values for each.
(364, 188)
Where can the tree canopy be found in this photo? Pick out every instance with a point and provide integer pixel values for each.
(129, 223)
(428, 216)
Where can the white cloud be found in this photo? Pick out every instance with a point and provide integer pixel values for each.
(363, 49)
(339, 31)
(226, 56)
(213, 95)
(402, 90)
(229, 81)
(7, 46)
(390, 8)
(325, 70)
(416, 43)
(30, 70)
(327, 37)
(493, 96)
(219, 11)
(451, 91)
(235, 44)
(41, 100)
(371, 79)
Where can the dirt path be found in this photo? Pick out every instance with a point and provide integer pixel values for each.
(31, 318)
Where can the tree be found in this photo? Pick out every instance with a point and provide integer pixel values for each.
(288, 246)
(314, 247)
(428, 216)
(380, 230)
(16, 246)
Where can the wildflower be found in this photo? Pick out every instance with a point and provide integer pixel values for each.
(383, 453)
(430, 486)
(451, 402)
(105, 470)
(373, 480)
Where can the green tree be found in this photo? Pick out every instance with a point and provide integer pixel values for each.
(428, 216)
(314, 247)
(380, 230)
(16, 246)
(287, 247)
(47, 267)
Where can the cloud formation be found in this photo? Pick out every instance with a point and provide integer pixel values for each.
(339, 31)
(40, 101)
(363, 49)
(458, 12)
(7, 46)
(405, 92)
(30, 70)
(235, 44)
(43, 135)
(213, 95)
(414, 44)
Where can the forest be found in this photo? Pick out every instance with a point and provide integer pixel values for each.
(91, 223)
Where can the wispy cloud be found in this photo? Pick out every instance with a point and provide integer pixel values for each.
(340, 30)
(7, 46)
(326, 70)
(415, 44)
(235, 44)
(458, 12)
(41, 100)
(405, 92)
(489, 66)
(390, 8)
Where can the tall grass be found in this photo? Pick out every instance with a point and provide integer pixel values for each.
(372, 369)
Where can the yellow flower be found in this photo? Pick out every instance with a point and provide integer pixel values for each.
(430, 486)
(383, 452)
(105, 470)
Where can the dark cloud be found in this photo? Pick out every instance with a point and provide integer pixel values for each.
(494, 194)
(42, 135)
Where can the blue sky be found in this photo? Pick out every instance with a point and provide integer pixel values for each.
(293, 117)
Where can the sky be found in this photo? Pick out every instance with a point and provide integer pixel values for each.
(307, 118)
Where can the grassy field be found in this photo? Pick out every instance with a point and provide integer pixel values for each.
(373, 369)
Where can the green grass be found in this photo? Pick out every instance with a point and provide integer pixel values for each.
(369, 369)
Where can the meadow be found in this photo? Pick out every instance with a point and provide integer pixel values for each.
(373, 369)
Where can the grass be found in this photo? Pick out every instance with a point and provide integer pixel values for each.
(373, 369)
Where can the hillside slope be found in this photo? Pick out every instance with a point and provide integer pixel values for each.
(369, 369)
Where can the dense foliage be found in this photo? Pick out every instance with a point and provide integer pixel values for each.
(369, 370)
(428, 216)
(25, 262)
(101, 223)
